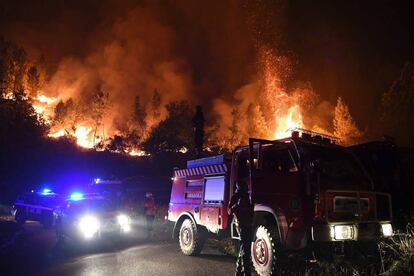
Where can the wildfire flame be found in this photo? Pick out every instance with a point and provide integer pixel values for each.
(46, 100)
(82, 134)
(43, 106)
(292, 119)
(135, 152)
(57, 134)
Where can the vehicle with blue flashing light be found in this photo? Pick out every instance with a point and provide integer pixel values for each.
(90, 217)
(37, 206)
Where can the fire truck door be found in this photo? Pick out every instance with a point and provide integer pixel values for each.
(213, 200)
(256, 161)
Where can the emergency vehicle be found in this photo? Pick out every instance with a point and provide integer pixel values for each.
(306, 190)
(90, 217)
(36, 206)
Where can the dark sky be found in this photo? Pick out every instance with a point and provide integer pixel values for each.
(353, 49)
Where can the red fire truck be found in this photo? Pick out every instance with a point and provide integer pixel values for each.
(306, 190)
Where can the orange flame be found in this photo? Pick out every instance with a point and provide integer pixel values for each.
(57, 134)
(135, 152)
(83, 139)
(292, 119)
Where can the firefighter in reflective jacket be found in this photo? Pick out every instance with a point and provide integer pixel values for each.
(242, 210)
(149, 209)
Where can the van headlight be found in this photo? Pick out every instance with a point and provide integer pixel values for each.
(124, 222)
(88, 226)
(343, 232)
(387, 229)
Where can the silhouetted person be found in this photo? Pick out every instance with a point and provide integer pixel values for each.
(150, 209)
(198, 122)
(242, 209)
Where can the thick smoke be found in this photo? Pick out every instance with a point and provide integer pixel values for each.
(136, 58)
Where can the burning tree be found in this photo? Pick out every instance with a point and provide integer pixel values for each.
(344, 126)
(99, 106)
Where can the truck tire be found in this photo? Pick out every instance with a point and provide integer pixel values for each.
(191, 238)
(265, 250)
(20, 217)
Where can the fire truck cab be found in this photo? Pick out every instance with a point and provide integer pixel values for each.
(306, 190)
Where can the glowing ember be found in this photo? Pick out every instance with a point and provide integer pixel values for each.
(57, 134)
(135, 152)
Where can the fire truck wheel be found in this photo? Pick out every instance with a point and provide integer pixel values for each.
(20, 217)
(191, 238)
(265, 251)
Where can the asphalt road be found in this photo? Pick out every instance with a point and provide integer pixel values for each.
(146, 259)
(137, 256)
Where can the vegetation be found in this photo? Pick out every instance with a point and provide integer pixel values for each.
(344, 126)
(397, 104)
(173, 134)
(397, 255)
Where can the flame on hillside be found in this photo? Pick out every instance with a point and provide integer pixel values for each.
(83, 134)
(43, 104)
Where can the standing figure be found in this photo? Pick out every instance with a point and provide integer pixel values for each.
(150, 209)
(198, 122)
(243, 210)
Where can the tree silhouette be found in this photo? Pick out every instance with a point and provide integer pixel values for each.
(20, 125)
(156, 104)
(397, 105)
(173, 134)
(13, 68)
(138, 118)
(99, 106)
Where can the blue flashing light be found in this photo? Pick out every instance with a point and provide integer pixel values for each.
(75, 196)
(97, 180)
(46, 191)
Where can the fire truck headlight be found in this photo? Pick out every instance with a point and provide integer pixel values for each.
(88, 226)
(387, 229)
(343, 232)
(125, 222)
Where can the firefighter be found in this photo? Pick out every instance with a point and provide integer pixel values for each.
(149, 209)
(242, 210)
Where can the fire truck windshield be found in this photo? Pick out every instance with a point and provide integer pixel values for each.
(338, 167)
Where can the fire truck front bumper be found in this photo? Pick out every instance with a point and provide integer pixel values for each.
(369, 231)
